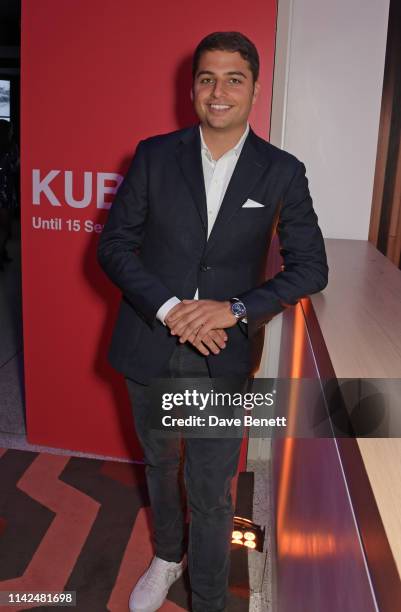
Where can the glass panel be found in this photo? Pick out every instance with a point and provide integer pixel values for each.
(4, 99)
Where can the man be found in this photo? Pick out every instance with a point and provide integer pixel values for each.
(186, 241)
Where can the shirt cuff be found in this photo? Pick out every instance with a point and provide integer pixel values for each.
(165, 308)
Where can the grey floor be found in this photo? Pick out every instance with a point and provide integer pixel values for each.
(12, 418)
(260, 564)
(13, 430)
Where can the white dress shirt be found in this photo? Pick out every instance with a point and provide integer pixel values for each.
(217, 175)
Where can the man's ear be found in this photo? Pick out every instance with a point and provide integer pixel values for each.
(191, 93)
(256, 89)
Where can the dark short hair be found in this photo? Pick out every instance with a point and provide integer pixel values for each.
(228, 41)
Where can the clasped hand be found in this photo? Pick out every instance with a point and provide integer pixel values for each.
(202, 323)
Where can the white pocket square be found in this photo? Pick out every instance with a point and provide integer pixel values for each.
(252, 204)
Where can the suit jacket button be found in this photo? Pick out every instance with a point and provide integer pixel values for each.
(205, 268)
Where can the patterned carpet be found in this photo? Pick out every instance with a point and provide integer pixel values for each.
(83, 525)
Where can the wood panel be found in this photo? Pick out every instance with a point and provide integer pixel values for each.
(385, 221)
(359, 315)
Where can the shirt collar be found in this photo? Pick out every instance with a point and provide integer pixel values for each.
(236, 149)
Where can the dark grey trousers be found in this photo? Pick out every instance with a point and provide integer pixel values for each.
(209, 467)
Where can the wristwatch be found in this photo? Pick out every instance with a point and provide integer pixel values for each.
(238, 308)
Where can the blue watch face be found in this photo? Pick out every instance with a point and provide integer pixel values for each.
(238, 309)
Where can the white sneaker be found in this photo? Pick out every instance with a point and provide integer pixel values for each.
(152, 587)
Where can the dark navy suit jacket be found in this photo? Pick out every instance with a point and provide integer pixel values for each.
(154, 246)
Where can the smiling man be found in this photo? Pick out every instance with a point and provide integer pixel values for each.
(186, 241)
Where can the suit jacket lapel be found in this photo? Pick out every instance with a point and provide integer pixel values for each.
(249, 168)
(190, 161)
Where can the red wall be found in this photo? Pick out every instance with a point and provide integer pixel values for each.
(97, 76)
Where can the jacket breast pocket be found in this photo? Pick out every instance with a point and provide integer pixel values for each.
(255, 210)
(251, 224)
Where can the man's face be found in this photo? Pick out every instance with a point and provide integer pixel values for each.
(223, 90)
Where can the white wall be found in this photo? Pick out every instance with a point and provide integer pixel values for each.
(326, 102)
